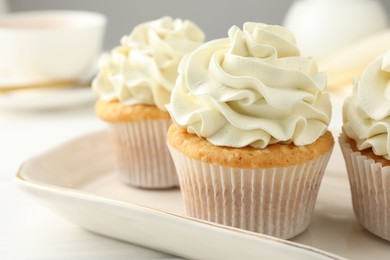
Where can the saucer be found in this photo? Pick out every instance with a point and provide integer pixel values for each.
(47, 98)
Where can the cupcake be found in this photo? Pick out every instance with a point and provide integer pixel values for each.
(249, 139)
(134, 84)
(365, 144)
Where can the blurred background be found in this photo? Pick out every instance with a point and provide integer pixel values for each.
(213, 16)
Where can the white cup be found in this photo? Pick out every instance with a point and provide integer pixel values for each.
(49, 46)
(325, 26)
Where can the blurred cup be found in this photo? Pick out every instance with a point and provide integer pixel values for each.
(323, 27)
(41, 47)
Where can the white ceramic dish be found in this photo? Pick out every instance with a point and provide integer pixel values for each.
(77, 180)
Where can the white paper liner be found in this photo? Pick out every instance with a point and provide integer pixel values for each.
(141, 153)
(273, 201)
(370, 190)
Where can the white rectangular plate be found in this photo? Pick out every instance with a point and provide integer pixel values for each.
(78, 181)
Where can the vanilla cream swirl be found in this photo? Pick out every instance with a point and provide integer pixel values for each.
(143, 69)
(251, 88)
(366, 114)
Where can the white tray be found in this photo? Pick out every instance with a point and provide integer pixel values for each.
(78, 181)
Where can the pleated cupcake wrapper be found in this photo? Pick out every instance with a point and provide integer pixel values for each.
(273, 201)
(370, 190)
(141, 153)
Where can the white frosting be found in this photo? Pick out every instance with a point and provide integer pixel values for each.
(143, 69)
(253, 89)
(366, 114)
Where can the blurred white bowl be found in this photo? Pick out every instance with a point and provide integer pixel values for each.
(49, 46)
(322, 27)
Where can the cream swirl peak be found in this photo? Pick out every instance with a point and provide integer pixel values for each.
(251, 88)
(143, 69)
(366, 114)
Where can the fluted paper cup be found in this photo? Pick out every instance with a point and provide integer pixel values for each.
(141, 153)
(273, 201)
(370, 190)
